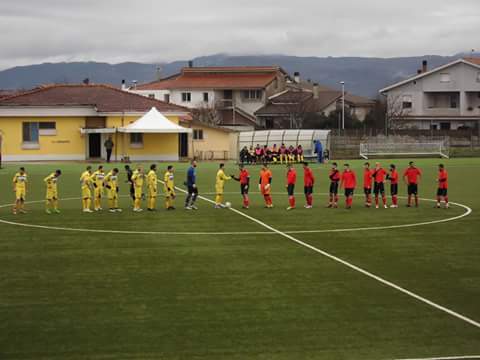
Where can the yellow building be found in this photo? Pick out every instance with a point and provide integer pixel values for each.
(72, 122)
(213, 143)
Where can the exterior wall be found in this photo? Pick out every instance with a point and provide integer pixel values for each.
(214, 140)
(66, 144)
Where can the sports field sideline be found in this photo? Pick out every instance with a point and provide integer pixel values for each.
(241, 284)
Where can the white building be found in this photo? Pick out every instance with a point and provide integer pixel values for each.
(444, 98)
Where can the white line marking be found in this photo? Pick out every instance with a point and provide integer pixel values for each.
(353, 267)
(200, 233)
(447, 357)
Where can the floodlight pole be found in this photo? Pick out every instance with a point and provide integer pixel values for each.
(343, 105)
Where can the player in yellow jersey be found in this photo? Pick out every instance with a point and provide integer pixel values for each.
(169, 188)
(52, 192)
(138, 178)
(98, 178)
(111, 184)
(219, 185)
(152, 185)
(86, 183)
(20, 190)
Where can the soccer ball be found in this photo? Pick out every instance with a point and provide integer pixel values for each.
(228, 204)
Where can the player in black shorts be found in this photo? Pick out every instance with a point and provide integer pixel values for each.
(334, 181)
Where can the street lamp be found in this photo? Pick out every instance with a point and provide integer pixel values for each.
(343, 104)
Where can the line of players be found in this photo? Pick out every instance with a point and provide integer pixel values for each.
(275, 154)
(97, 182)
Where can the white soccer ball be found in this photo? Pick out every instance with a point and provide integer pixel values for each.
(228, 204)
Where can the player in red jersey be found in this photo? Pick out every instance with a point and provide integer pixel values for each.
(244, 179)
(265, 185)
(442, 192)
(393, 177)
(349, 182)
(411, 176)
(367, 184)
(334, 176)
(379, 184)
(291, 181)
(308, 182)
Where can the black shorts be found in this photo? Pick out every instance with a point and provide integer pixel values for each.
(442, 192)
(244, 189)
(192, 190)
(393, 189)
(308, 190)
(367, 191)
(334, 187)
(348, 192)
(290, 189)
(412, 189)
(379, 188)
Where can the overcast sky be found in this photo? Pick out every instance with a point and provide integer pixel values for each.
(35, 31)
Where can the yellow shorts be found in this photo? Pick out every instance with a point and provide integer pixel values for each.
(20, 194)
(152, 192)
(219, 190)
(170, 194)
(112, 194)
(138, 193)
(98, 192)
(52, 195)
(86, 193)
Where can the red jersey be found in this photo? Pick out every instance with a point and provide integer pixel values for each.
(334, 175)
(299, 151)
(244, 177)
(349, 180)
(308, 178)
(443, 179)
(265, 177)
(291, 177)
(367, 178)
(283, 150)
(393, 177)
(379, 175)
(412, 174)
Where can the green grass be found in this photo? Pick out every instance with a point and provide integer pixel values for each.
(79, 295)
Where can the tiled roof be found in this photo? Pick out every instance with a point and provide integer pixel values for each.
(217, 78)
(104, 98)
(473, 60)
(298, 101)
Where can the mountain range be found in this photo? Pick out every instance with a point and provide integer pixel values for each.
(362, 75)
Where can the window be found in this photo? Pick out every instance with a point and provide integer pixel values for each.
(30, 132)
(407, 102)
(151, 96)
(198, 134)
(453, 102)
(252, 94)
(444, 77)
(166, 98)
(136, 140)
(205, 97)
(47, 128)
(186, 97)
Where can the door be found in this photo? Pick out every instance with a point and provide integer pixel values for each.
(183, 145)
(94, 146)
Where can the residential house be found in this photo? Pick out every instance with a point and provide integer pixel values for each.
(210, 142)
(444, 98)
(71, 122)
(228, 96)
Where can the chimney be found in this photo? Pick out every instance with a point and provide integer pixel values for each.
(315, 90)
(124, 85)
(424, 66)
(134, 82)
(158, 73)
(419, 71)
(296, 77)
(190, 63)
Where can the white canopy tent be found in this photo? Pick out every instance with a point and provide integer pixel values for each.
(154, 122)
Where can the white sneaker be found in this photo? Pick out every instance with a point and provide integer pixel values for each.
(385, 206)
(112, 210)
(393, 206)
(290, 208)
(118, 210)
(138, 210)
(376, 206)
(188, 208)
(87, 211)
(194, 207)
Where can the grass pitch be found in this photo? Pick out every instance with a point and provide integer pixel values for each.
(213, 284)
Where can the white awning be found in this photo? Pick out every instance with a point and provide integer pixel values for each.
(98, 131)
(154, 122)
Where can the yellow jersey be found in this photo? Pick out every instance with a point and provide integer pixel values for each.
(137, 179)
(169, 184)
(111, 181)
(51, 182)
(98, 178)
(20, 180)
(152, 179)
(86, 179)
(221, 178)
